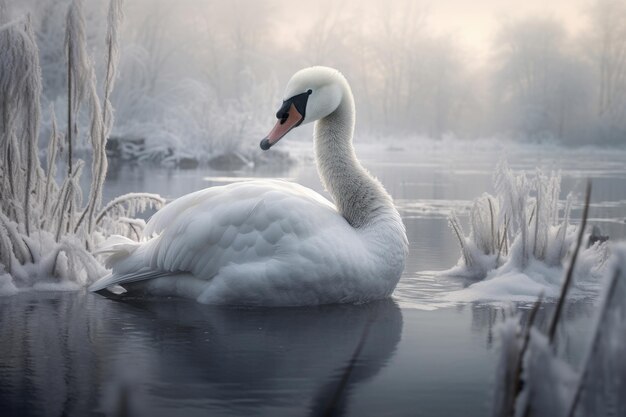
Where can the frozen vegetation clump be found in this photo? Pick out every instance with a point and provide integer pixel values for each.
(186, 123)
(535, 379)
(519, 239)
(47, 228)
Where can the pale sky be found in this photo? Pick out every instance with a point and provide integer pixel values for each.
(473, 22)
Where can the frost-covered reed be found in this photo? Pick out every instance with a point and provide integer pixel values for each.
(522, 229)
(535, 379)
(46, 229)
(524, 214)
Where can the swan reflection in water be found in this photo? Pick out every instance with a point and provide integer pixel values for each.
(75, 354)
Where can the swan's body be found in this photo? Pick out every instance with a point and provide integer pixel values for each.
(275, 242)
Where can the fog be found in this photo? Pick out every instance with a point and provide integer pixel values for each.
(208, 75)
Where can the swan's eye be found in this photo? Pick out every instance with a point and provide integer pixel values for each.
(309, 91)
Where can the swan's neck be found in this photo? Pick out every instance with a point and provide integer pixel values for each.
(359, 197)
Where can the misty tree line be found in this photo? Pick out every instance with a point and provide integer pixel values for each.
(207, 75)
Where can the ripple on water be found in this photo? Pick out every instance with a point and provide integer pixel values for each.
(425, 290)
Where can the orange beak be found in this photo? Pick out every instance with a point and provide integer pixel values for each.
(282, 127)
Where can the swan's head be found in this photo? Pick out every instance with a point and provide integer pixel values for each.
(311, 94)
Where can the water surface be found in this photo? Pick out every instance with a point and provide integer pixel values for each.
(80, 354)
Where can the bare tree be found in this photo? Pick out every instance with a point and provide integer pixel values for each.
(608, 19)
(539, 83)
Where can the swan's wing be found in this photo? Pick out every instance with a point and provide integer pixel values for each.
(227, 194)
(235, 224)
(159, 221)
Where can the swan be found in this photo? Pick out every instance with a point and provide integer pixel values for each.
(273, 242)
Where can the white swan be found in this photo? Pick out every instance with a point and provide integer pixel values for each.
(276, 243)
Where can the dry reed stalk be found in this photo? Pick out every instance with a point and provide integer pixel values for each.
(502, 242)
(519, 366)
(52, 156)
(570, 269)
(153, 200)
(594, 343)
(69, 108)
(537, 221)
(494, 240)
(456, 227)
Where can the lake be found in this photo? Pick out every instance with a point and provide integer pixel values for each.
(79, 354)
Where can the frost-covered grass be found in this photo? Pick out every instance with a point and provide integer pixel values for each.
(519, 239)
(48, 228)
(535, 380)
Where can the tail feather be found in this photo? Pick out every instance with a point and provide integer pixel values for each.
(118, 251)
(116, 248)
(113, 279)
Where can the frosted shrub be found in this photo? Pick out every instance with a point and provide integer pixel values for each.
(47, 228)
(187, 121)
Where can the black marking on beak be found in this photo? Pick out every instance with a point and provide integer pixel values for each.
(299, 101)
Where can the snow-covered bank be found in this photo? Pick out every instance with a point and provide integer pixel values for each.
(243, 157)
(151, 143)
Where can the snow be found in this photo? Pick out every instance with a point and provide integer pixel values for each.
(512, 283)
(7, 287)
